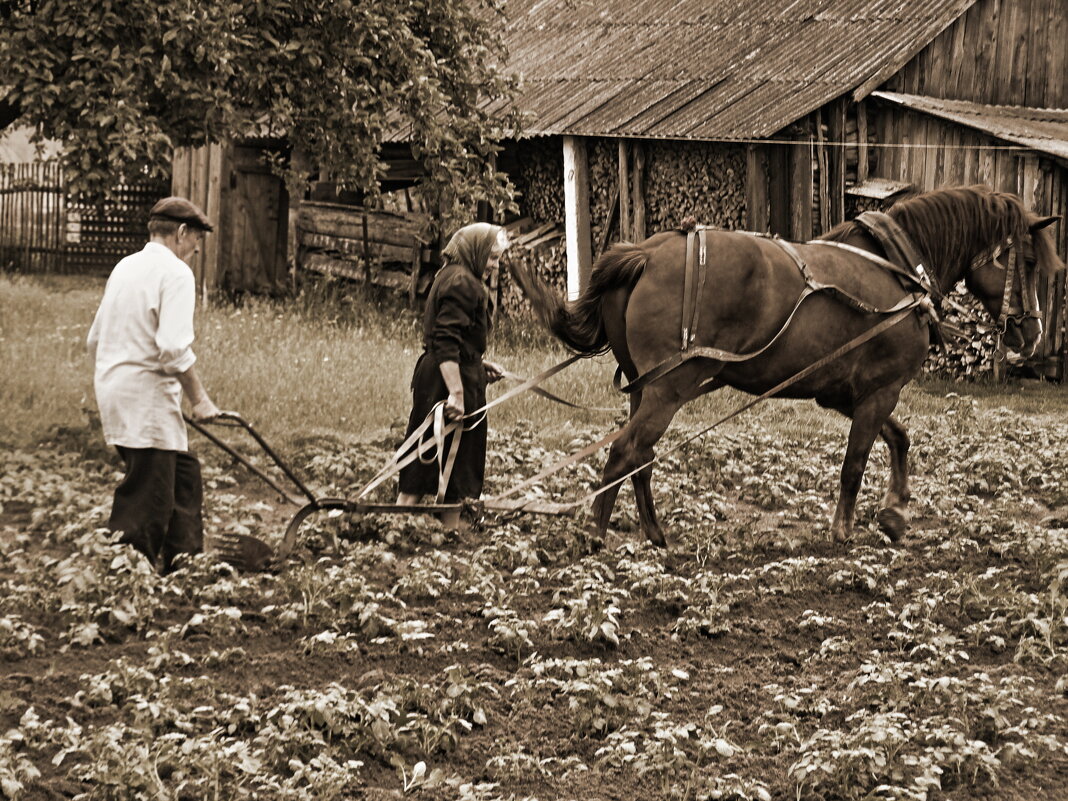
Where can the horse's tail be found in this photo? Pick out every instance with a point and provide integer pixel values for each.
(579, 324)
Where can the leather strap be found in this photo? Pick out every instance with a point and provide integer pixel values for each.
(415, 447)
(899, 246)
(688, 288)
(496, 501)
(445, 467)
(702, 271)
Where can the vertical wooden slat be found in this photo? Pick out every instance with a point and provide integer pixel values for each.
(800, 190)
(756, 188)
(824, 178)
(1037, 56)
(934, 142)
(885, 157)
(895, 137)
(917, 153)
(960, 54)
(986, 53)
(26, 219)
(836, 159)
(1004, 51)
(1056, 88)
(60, 217)
(1017, 35)
(862, 141)
(212, 202)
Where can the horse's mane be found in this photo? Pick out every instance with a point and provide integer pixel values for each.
(953, 226)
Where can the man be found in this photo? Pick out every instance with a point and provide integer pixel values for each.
(141, 341)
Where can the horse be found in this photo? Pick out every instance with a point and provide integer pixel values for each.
(633, 307)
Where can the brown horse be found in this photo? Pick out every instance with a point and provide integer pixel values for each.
(633, 307)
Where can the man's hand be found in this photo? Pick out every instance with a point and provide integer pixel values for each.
(494, 372)
(205, 411)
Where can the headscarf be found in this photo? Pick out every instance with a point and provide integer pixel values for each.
(471, 246)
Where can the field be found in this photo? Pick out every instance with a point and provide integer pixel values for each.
(523, 658)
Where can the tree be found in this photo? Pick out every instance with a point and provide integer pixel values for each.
(123, 82)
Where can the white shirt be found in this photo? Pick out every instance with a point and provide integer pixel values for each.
(141, 338)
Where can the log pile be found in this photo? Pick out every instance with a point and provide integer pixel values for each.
(536, 247)
(705, 180)
(603, 158)
(972, 357)
(539, 181)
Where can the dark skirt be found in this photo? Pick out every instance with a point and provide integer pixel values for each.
(428, 387)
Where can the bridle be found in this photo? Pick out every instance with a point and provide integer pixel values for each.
(1014, 273)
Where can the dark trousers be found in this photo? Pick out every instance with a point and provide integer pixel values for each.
(157, 505)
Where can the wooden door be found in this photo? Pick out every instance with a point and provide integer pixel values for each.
(259, 209)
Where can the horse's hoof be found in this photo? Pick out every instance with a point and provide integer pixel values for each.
(657, 538)
(892, 523)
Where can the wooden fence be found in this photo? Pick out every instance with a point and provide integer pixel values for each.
(45, 228)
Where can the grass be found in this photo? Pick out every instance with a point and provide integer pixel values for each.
(337, 361)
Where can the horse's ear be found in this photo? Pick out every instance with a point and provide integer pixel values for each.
(1041, 222)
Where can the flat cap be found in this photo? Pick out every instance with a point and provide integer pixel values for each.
(180, 210)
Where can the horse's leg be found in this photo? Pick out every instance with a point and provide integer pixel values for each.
(642, 481)
(869, 417)
(635, 447)
(893, 518)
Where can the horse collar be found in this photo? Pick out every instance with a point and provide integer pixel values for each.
(899, 248)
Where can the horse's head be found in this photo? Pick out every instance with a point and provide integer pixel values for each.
(1005, 281)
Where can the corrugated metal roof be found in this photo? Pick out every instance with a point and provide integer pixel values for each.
(1042, 129)
(705, 69)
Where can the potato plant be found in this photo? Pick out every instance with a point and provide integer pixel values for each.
(525, 658)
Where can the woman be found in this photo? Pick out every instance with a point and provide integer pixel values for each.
(455, 327)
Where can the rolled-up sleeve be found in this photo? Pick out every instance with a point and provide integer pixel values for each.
(456, 305)
(174, 336)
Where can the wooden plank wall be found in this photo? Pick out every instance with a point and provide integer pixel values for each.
(1007, 52)
(197, 174)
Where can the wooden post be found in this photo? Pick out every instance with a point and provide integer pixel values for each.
(757, 207)
(824, 170)
(801, 191)
(862, 142)
(837, 159)
(577, 215)
(613, 210)
(624, 190)
(637, 200)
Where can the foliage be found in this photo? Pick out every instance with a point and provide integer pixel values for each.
(123, 84)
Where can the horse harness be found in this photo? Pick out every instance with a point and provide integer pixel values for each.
(693, 284)
(904, 261)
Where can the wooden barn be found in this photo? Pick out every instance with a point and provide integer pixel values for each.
(782, 116)
(773, 115)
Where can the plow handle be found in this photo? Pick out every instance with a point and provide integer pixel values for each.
(234, 420)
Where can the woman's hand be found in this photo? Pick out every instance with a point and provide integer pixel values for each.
(454, 406)
(494, 372)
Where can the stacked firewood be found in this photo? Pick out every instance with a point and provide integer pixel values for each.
(703, 180)
(539, 181)
(602, 156)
